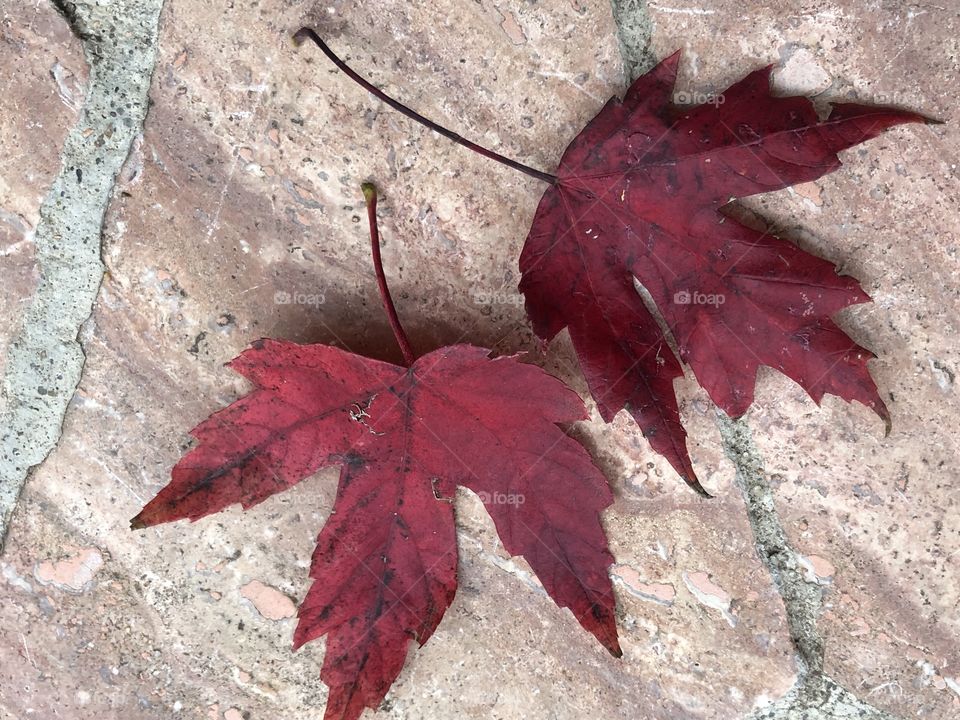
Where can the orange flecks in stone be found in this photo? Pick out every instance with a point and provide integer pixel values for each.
(246, 154)
(817, 569)
(512, 29)
(702, 583)
(304, 193)
(708, 593)
(810, 191)
(273, 135)
(269, 602)
(72, 573)
(232, 714)
(859, 627)
(180, 60)
(662, 593)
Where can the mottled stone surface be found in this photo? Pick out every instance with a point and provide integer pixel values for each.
(239, 215)
(42, 74)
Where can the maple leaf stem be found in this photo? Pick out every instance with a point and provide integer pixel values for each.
(370, 197)
(305, 33)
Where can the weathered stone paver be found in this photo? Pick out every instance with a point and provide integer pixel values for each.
(239, 215)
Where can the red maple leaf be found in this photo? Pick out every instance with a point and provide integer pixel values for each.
(639, 194)
(385, 565)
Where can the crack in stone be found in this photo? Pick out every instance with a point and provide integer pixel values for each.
(45, 359)
(802, 599)
(816, 696)
(634, 31)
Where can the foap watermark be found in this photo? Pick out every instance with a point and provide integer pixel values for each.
(697, 98)
(282, 297)
(501, 498)
(686, 297)
(895, 98)
(497, 297)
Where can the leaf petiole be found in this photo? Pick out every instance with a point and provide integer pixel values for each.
(306, 33)
(370, 197)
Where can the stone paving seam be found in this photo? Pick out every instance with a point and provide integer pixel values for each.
(815, 695)
(45, 358)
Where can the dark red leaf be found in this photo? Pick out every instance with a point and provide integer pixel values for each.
(639, 194)
(385, 565)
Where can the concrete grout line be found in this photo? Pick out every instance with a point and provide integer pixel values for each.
(802, 599)
(815, 696)
(634, 32)
(45, 360)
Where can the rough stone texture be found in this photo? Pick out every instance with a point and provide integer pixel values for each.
(240, 215)
(797, 577)
(634, 30)
(44, 358)
(43, 75)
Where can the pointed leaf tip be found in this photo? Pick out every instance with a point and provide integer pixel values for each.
(695, 484)
(642, 190)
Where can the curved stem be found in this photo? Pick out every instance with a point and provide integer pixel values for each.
(305, 33)
(370, 197)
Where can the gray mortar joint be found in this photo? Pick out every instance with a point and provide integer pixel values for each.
(45, 359)
(815, 695)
